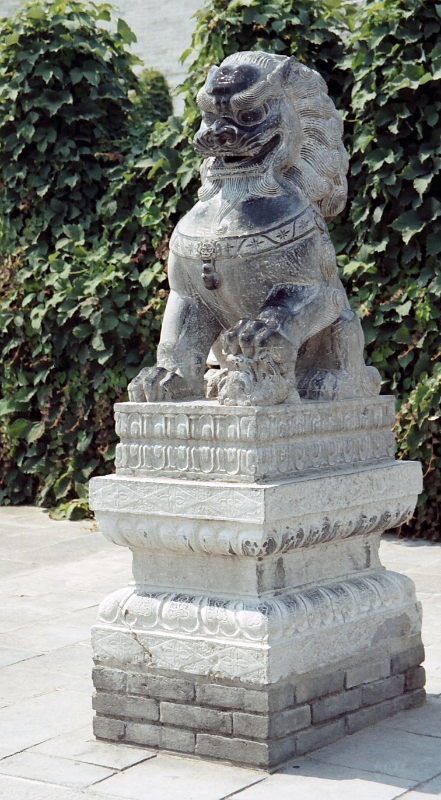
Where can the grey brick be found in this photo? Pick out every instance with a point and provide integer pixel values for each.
(221, 696)
(277, 725)
(335, 704)
(407, 659)
(234, 697)
(411, 699)
(196, 717)
(117, 705)
(105, 728)
(162, 688)
(369, 716)
(319, 736)
(365, 673)
(290, 720)
(382, 690)
(415, 678)
(244, 751)
(158, 736)
(114, 680)
(311, 688)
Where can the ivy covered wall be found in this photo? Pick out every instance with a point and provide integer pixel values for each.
(93, 182)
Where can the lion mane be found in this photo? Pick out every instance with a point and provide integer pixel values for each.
(310, 154)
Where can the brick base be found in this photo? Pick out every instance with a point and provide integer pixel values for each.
(257, 727)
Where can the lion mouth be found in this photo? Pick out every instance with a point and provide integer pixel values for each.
(232, 160)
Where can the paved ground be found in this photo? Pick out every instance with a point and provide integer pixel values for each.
(53, 575)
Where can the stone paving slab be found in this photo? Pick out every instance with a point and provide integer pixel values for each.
(313, 780)
(47, 749)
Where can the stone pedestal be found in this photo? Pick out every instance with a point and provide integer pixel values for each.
(260, 624)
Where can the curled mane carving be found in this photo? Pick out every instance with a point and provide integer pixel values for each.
(311, 153)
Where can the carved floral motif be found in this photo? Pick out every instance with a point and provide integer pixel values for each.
(156, 534)
(268, 620)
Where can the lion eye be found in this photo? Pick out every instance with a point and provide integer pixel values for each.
(252, 116)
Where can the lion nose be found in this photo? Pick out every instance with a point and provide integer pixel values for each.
(220, 135)
(226, 136)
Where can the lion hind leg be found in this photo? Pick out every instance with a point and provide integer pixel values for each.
(331, 364)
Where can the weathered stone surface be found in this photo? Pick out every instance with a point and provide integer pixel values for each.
(318, 686)
(229, 638)
(415, 678)
(208, 442)
(378, 691)
(365, 673)
(106, 728)
(262, 740)
(407, 658)
(112, 680)
(254, 516)
(245, 751)
(369, 716)
(335, 705)
(135, 511)
(182, 741)
(318, 736)
(160, 687)
(287, 331)
(127, 707)
(196, 717)
(233, 697)
(271, 727)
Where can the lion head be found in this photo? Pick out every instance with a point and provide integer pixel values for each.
(268, 121)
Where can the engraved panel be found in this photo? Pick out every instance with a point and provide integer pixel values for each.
(246, 424)
(183, 499)
(236, 463)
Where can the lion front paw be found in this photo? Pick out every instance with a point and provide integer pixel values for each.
(260, 363)
(155, 384)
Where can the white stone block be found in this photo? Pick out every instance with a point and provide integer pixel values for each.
(260, 641)
(253, 519)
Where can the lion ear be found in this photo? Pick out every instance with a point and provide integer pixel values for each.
(210, 74)
(287, 69)
(204, 100)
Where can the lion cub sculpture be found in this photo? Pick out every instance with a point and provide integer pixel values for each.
(252, 269)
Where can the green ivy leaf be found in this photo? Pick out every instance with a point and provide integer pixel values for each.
(433, 243)
(408, 224)
(19, 428)
(52, 101)
(125, 32)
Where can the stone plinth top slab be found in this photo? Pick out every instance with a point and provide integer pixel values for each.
(253, 520)
(254, 503)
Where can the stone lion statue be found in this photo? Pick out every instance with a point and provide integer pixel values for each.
(252, 269)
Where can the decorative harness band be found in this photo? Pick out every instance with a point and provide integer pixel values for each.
(232, 247)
